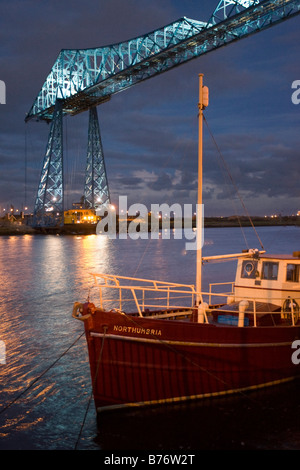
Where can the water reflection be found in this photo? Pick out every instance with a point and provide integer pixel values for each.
(264, 420)
(42, 276)
(97, 254)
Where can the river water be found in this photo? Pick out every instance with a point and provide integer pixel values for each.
(45, 385)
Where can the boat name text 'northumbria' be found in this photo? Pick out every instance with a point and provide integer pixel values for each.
(134, 329)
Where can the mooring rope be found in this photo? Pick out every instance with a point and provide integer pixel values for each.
(93, 388)
(40, 376)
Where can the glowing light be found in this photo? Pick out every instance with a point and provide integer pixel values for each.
(246, 3)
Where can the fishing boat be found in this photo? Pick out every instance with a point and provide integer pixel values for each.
(176, 343)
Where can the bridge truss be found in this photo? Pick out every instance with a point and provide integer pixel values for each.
(82, 79)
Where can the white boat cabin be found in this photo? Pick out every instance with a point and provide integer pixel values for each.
(266, 291)
(273, 279)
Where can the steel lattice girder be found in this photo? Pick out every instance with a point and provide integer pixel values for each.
(86, 77)
(228, 8)
(96, 191)
(49, 204)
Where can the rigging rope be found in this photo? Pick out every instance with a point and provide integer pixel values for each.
(233, 183)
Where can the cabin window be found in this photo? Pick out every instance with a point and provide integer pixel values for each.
(249, 269)
(292, 272)
(270, 270)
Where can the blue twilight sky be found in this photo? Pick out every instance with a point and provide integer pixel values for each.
(149, 132)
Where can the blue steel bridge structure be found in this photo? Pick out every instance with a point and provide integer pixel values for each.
(82, 79)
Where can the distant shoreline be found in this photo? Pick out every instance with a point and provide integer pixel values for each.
(209, 222)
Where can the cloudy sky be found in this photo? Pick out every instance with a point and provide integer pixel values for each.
(149, 132)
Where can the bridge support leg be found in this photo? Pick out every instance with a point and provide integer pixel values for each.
(49, 203)
(96, 191)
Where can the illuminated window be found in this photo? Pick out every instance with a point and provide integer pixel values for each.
(270, 270)
(292, 272)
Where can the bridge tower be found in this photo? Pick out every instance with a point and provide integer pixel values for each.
(96, 190)
(82, 79)
(49, 203)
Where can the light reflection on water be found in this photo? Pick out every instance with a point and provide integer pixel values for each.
(41, 278)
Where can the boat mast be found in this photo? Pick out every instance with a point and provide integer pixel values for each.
(203, 103)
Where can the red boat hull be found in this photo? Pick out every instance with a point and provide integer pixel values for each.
(138, 361)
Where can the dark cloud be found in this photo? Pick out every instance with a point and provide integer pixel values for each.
(129, 181)
(163, 181)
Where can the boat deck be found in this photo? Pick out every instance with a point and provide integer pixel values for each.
(170, 301)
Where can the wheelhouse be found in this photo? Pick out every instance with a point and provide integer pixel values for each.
(273, 279)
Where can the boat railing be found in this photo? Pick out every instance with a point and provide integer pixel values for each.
(288, 308)
(162, 299)
(145, 293)
(220, 285)
(285, 310)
